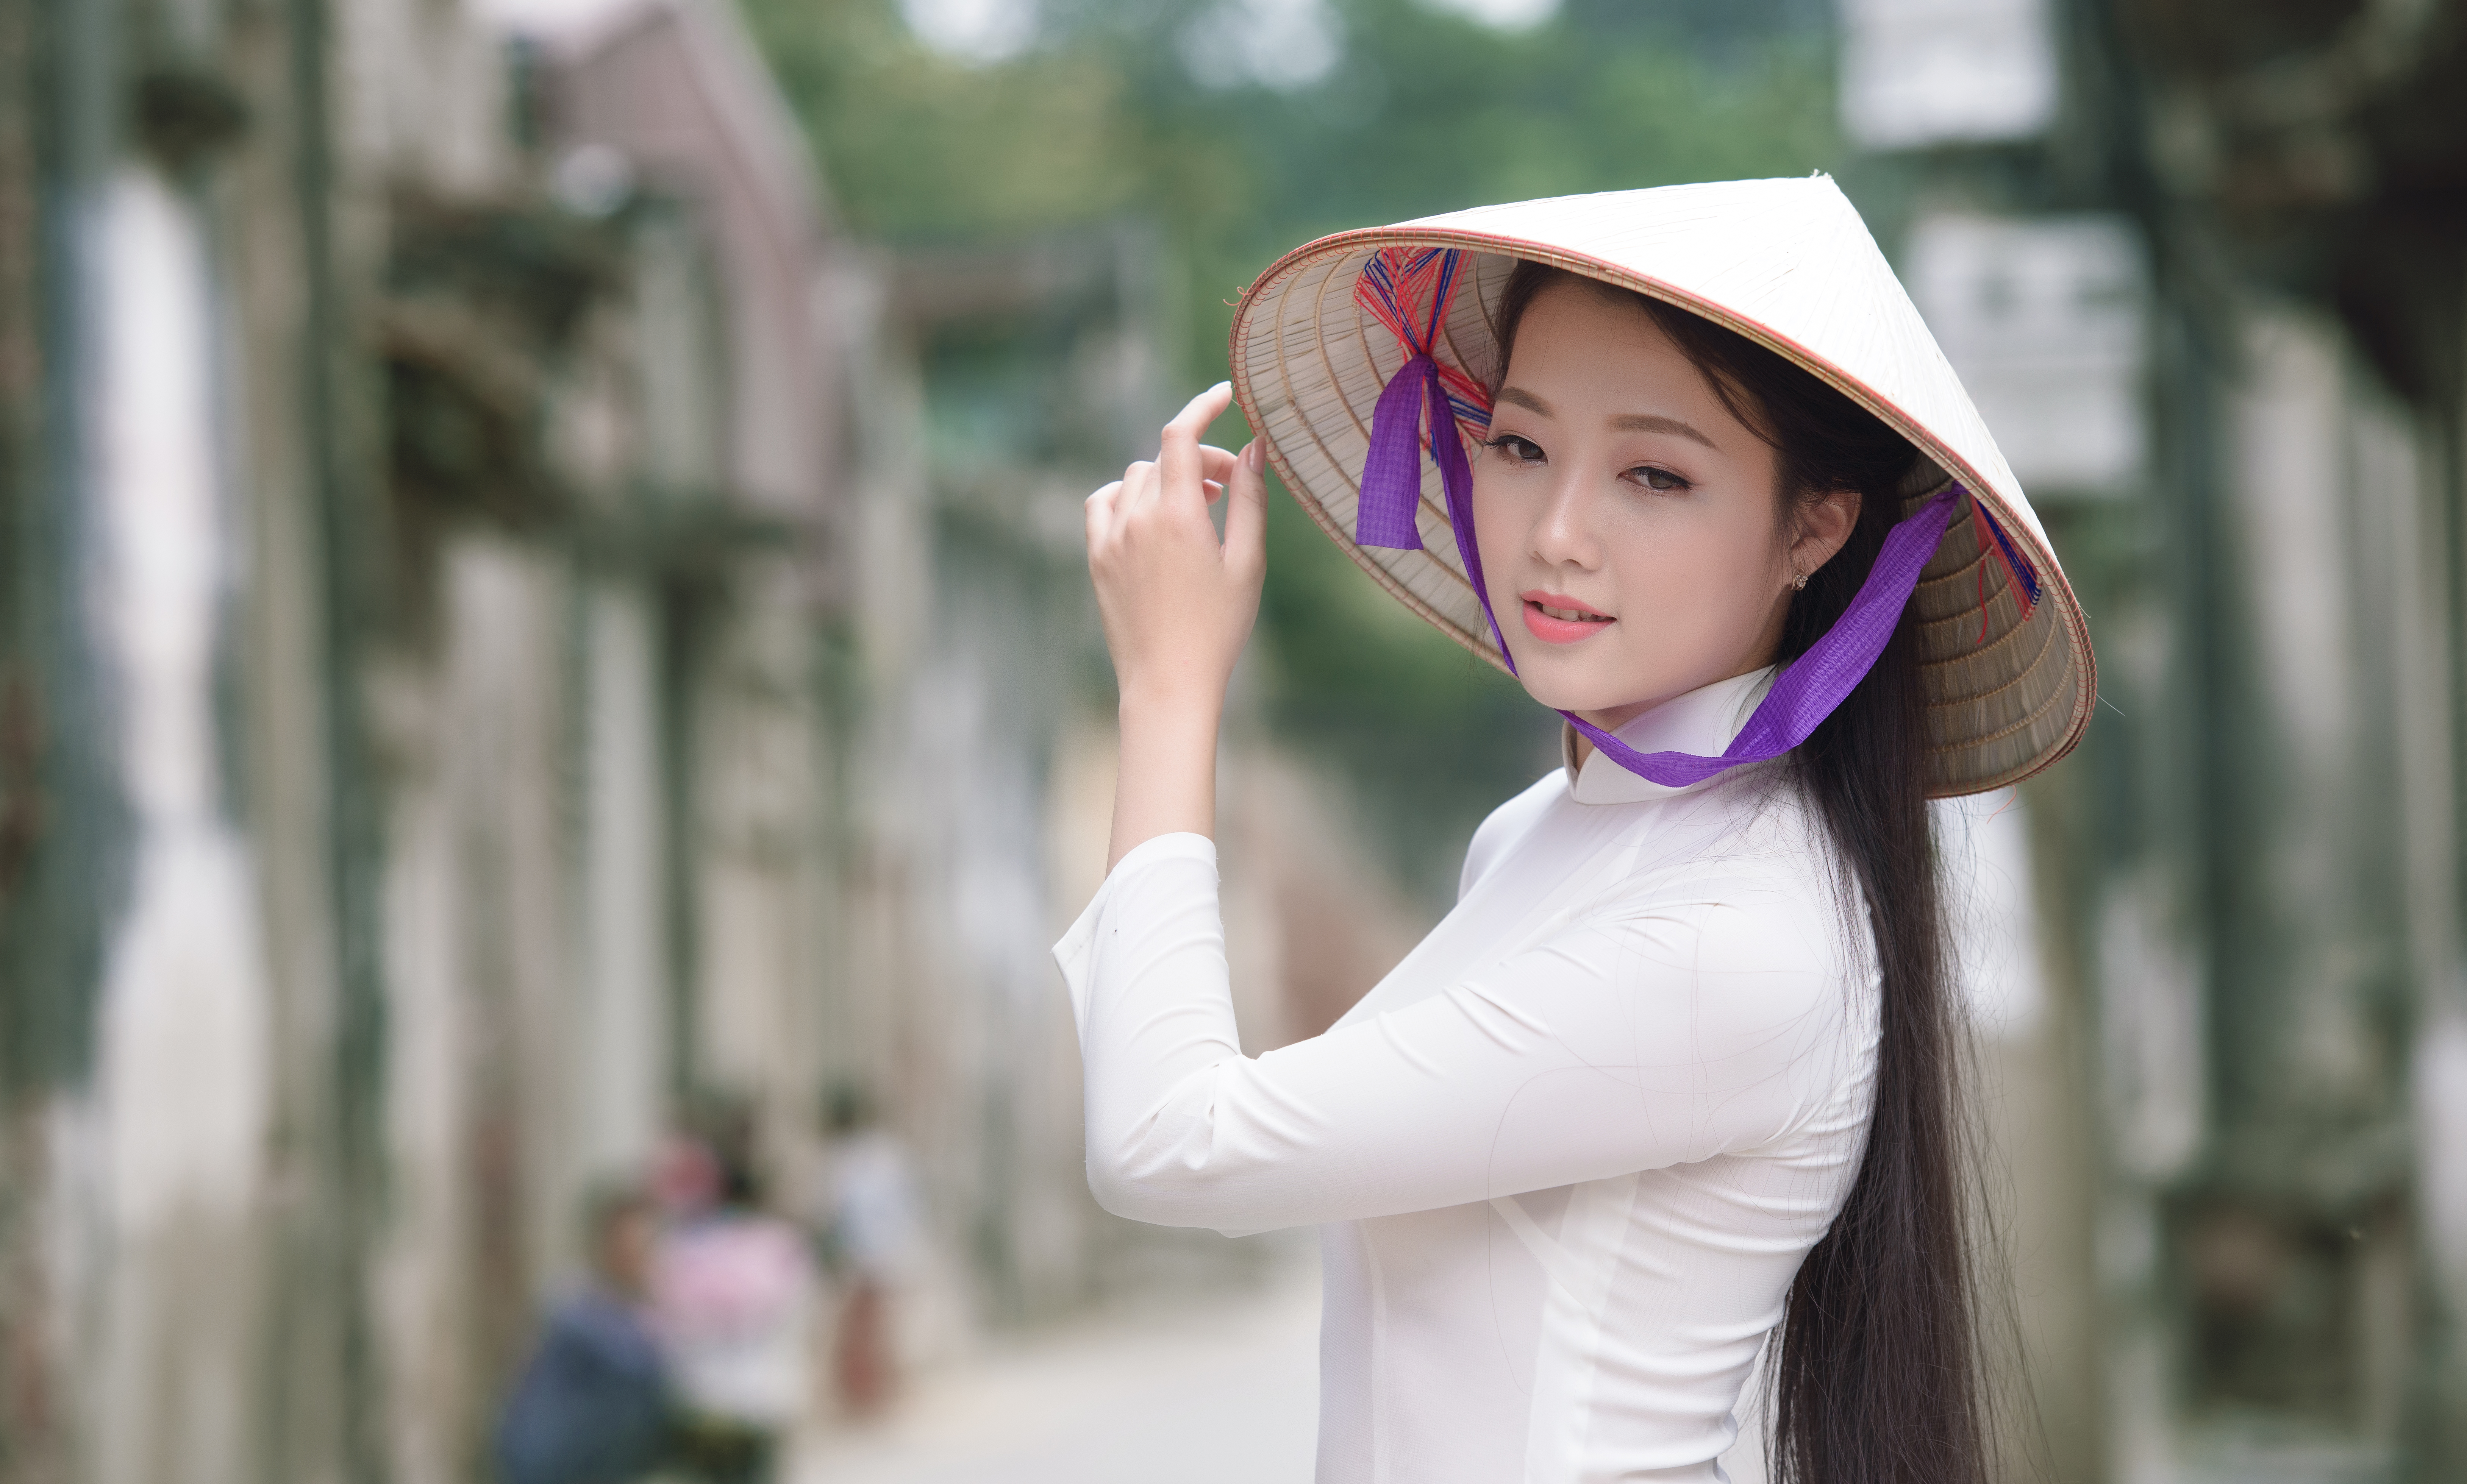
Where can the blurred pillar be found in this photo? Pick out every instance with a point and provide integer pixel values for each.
(2252, 862)
(58, 809)
(182, 1077)
(623, 1071)
(324, 1397)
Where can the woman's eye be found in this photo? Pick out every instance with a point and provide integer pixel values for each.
(1517, 450)
(1652, 478)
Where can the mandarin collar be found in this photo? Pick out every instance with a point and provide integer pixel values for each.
(1703, 722)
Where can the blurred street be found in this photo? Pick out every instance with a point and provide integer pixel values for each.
(1216, 1392)
(550, 708)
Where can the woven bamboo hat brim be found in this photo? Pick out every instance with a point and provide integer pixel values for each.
(1788, 263)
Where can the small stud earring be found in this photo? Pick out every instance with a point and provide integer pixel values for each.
(1798, 584)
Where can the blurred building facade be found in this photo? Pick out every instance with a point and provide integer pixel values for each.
(516, 629)
(512, 625)
(2205, 266)
(420, 478)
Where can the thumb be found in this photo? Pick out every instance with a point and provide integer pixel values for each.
(1246, 511)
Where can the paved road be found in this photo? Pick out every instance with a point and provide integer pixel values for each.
(1224, 1393)
(1220, 1393)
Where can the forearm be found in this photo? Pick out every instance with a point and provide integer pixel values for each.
(1178, 605)
(1167, 779)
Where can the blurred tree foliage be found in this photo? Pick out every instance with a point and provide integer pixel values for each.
(1119, 108)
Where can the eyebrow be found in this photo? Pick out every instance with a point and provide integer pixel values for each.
(1624, 422)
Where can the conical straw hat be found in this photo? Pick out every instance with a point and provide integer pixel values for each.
(1789, 264)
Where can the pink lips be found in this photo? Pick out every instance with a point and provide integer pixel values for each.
(1561, 631)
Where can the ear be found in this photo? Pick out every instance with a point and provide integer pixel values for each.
(1824, 524)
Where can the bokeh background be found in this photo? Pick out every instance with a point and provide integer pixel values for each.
(541, 611)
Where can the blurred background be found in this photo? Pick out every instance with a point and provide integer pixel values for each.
(549, 708)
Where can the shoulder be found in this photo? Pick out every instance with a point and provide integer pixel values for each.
(1767, 893)
(1506, 824)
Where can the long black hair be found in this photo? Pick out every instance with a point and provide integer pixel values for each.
(1876, 1378)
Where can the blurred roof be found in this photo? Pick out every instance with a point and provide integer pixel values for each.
(676, 87)
(729, 74)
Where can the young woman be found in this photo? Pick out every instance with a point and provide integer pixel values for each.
(1678, 1070)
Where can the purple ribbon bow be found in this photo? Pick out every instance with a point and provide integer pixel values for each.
(1806, 693)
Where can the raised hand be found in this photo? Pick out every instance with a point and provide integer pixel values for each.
(1178, 606)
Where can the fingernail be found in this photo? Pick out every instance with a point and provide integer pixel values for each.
(1255, 456)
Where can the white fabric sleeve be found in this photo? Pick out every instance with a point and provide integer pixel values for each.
(1714, 1019)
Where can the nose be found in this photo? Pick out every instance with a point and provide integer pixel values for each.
(1563, 533)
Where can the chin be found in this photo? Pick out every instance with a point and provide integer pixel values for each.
(1550, 684)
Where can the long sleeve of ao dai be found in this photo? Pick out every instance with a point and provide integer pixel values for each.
(1570, 1152)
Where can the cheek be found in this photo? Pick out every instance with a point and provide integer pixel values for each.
(1701, 545)
(1704, 571)
(1700, 588)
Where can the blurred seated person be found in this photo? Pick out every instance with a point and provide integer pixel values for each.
(591, 1405)
(733, 1291)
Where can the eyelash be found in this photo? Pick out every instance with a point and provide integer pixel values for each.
(1679, 484)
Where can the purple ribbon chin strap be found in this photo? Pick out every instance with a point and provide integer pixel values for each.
(1802, 697)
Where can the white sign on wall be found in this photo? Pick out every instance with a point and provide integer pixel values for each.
(2047, 320)
(1937, 72)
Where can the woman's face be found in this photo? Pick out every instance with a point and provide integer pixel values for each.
(1630, 534)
